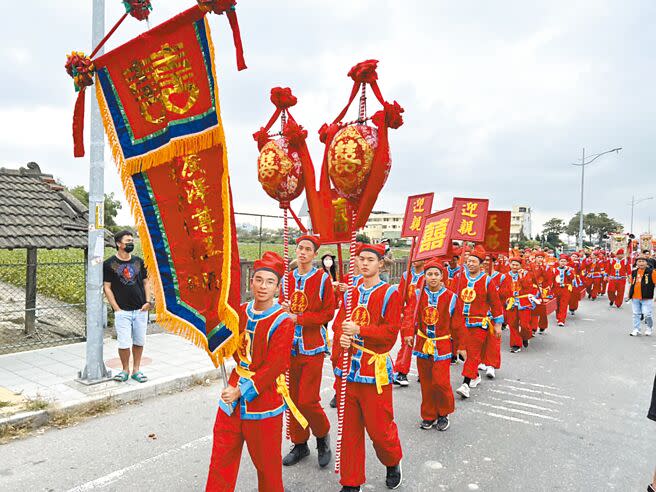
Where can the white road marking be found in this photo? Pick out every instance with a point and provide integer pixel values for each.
(525, 397)
(514, 381)
(527, 405)
(110, 478)
(506, 417)
(433, 465)
(521, 412)
(536, 391)
(472, 486)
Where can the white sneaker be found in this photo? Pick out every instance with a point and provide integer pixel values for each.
(463, 390)
(649, 332)
(490, 372)
(635, 333)
(560, 323)
(475, 382)
(482, 367)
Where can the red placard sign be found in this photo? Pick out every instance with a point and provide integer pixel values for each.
(470, 216)
(497, 232)
(417, 208)
(435, 237)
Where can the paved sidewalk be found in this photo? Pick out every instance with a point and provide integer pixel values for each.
(48, 376)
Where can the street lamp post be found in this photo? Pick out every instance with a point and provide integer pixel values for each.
(633, 203)
(582, 164)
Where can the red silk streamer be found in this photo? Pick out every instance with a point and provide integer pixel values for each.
(227, 7)
(78, 125)
(345, 353)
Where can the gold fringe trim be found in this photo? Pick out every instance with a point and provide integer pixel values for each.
(211, 137)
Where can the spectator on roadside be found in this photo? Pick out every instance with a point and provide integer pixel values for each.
(650, 259)
(641, 293)
(652, 415)
(128, 290)
(328, 264)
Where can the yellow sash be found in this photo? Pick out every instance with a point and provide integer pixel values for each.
(380, 366)
(281, 388)
(429, 346)
(486, 322)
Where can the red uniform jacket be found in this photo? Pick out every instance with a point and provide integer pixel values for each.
(543, 279)
(564, 277)
(312, 299)
(433, 315)
(478, 299)
(452, 273)
(618, 269)
(377, 311)
(596, 268)
(520, 288)
(417, 281)
(264, 351)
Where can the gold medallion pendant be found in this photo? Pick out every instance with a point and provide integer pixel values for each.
(298, 303)
(360, 316)
(430, 315)
(468, 294)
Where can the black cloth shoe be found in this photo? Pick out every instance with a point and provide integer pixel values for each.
(401, 379)
(298, 452)
(572, 313)
(323, 450)
(525, 343)
(514, 350)
(442, 423)
(346, 488)
(333, 402)
(427, 424)
(394, 476)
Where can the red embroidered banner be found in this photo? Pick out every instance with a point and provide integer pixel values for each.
(470, 219)
(497, 232)
(435, 237)
(418, 207)
(159, 102)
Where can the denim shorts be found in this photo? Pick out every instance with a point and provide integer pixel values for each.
(130, 328)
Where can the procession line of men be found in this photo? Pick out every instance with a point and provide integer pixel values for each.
(443, 313)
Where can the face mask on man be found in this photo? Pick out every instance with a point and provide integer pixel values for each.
(129, 248)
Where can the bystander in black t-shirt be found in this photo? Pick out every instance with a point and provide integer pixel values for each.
(127, 279)
(652, 409)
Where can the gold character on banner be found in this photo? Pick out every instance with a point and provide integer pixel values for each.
(204, 219)
(466, 227)
(492, 241)
(190, 165)
(210, 247)
(162, 82)
(418, 207)
(341, 217)
(196, 190)
(416, 223)
(434, 235)
(469, 208)
(492, 226)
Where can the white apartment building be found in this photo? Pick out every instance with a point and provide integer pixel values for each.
(383, 225)
(520, 220)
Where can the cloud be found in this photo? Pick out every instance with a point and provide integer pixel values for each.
(499, 97)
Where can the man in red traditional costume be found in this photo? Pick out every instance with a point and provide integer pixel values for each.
(480, 307)
(517, 294)
(453, 268)
(430, 317)
(618, 269)
(564, 280)
(576, 264)
(311, 305)
(369, 335)
(491, 357)
(407, 291)
(543, 279)
(251, 406)
(596, 272)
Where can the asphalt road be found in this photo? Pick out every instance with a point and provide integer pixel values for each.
(567, 414)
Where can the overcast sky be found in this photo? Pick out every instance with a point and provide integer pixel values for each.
(500, 96)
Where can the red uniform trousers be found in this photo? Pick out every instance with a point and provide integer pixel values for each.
(595, 287)
(562, 295)
(475, 344)
(539, 316)
(491, 355)
(264, 440)
(436, 393)
(403, 358)
(304, 388)
(519, 323)
(616, 291)
(364, 409)
(575, 298)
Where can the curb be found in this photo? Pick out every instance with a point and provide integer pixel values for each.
(121, 395)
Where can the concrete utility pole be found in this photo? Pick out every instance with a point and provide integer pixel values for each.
(582, 164)
(95, 370)
(633, 203)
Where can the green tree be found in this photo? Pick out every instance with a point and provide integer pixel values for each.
(551, 231)
(112, 206)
